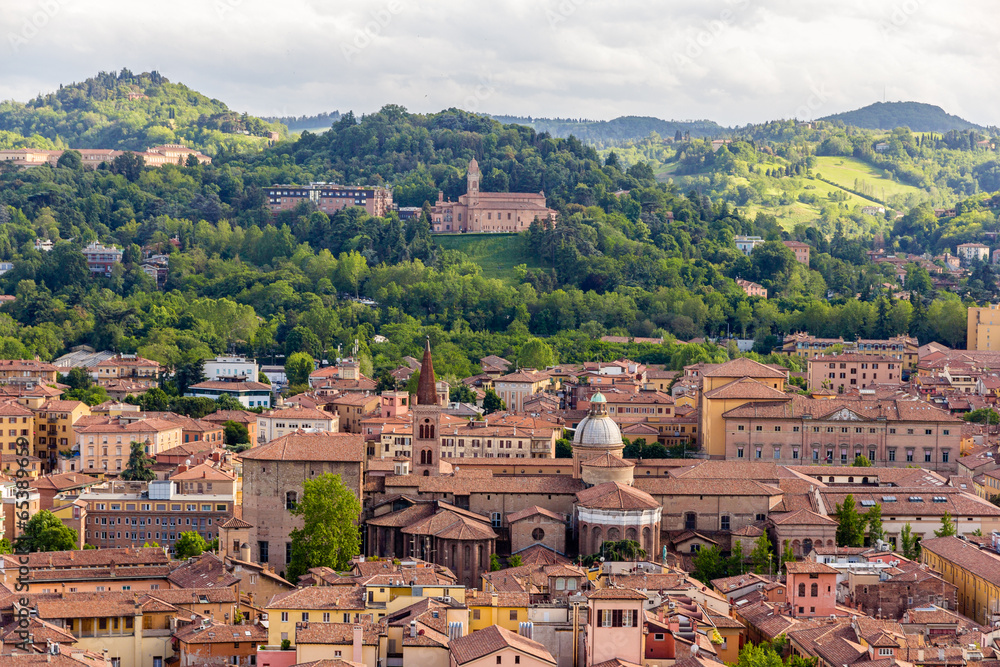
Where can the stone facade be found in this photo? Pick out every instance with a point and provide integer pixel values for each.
(273, 475)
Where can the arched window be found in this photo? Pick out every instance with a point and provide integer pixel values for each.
(423, 455)
(571, 584)
(814, 591)
(430, 456)
(802, 590)
(290, 499)
(427, 473)
(807, 546)
(560, 584)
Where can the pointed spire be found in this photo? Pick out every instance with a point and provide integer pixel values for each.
(427, 386)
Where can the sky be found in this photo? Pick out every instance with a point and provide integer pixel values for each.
(731, 61)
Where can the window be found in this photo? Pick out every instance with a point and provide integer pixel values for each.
(262, 548)
(513, 614)
(739, 452)
(944, 456)
(475, 614)
(892, 454)
(305, 617)
(724, 522)
(290, 500)
(758, 428)
(814, 590)
(802, 590)
(690, 521)
(927, 456)
(909, 455)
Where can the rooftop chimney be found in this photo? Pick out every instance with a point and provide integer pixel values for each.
(359, 634)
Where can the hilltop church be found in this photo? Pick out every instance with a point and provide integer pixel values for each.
(478, 211)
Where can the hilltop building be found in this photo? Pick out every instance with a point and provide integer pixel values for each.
(478, 211)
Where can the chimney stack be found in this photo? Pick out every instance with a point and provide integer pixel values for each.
(358, 638)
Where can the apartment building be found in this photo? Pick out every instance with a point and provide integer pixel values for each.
(282, 421)
(121, 514)
(232, 367)
(55, 433)
(843, 372)
(131, 367)
(27, 372)
(514, 388)
(330, 198)
(104, 442)
(249, 394)
(983, 330)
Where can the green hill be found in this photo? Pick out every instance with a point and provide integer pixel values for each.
(130, 111)
(621, 129)
(917, 116)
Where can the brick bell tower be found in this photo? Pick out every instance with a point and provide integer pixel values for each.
(426, 420)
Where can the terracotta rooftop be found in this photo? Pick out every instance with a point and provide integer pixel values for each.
(219, 633)
(744, 368)
(974, 560)
(482, 643)
(615, 594)
(615, 496)
(310, 447)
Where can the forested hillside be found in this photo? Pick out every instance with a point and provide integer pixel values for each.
(132, 112)
(618, 130)
(632, 254)
(917, 116)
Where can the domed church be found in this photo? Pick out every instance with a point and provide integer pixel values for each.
(609, 509)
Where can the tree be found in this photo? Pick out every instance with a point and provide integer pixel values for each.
(6, 547)
(708, 565)
(154, 400)
(861, 461)
(236, 433)
(564, 449)
(909, 544)
(758, 655)
(45, 532)
(189, 545)
(329, 536)
(298, 366)
(873, 517)
(140, 466)
(515, 561)
(70, 159)
(462, 393)
(947, 526)
(492, 402)
(787, 555)
(762, 555)
(851, 528)
(495, 565)
(226, 401)
(982, 416)
(735, 564)
(536, 353)
(77, 378)
(187, 374)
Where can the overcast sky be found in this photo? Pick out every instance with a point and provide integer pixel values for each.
(732, 61)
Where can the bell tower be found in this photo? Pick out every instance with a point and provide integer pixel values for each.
(426, 420)
(472, 186)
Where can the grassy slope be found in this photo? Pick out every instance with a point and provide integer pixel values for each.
(497, 254)
(844, 170)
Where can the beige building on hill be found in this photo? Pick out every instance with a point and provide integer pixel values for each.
(478, 211)
(983, 328)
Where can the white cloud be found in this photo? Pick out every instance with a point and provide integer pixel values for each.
(734, 61)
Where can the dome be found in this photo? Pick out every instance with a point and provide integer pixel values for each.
(598, 431)
(598, 398)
